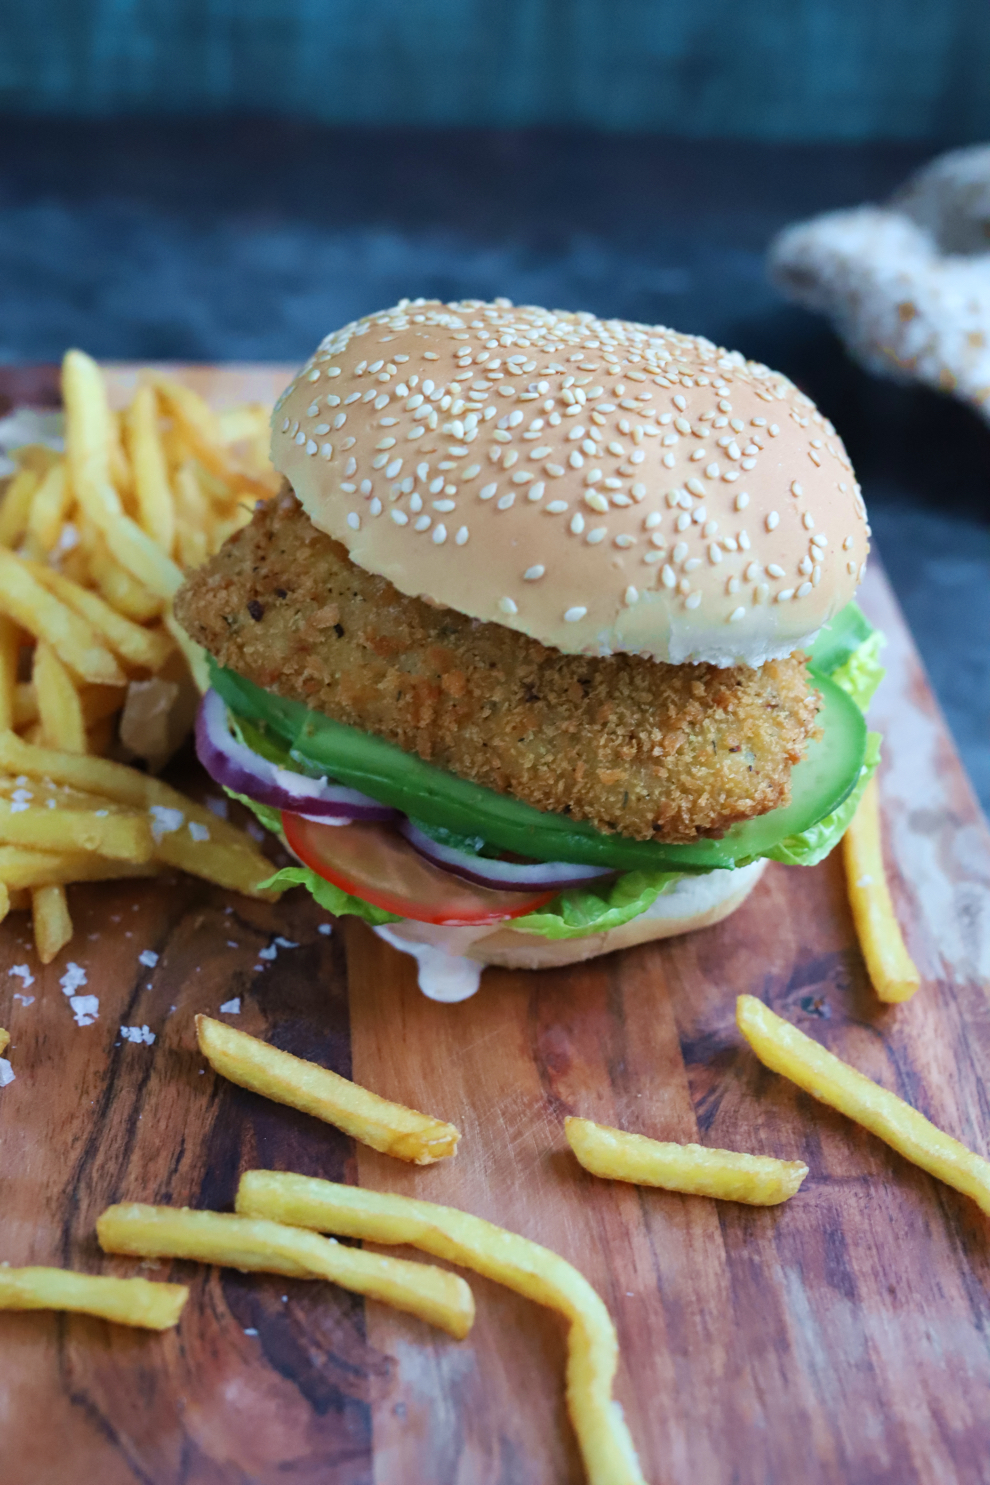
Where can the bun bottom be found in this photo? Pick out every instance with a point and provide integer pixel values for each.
(693, 902)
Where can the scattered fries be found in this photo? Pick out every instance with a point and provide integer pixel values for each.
(4, 1040)
(244, 1243)
(780, 1046)
(759, 1180)
(93, 544)
(388, 1127)
(533, 1271)
(138, 1302)
(892, 971)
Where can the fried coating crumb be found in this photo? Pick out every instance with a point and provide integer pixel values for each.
(651, 751)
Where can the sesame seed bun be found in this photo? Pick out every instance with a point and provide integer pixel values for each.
(601, 486)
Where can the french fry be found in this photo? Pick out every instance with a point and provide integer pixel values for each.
(193, 518)
(15, 507)
(516, 1262)
(50, 507)
(121, 475)
(76, 643)
(22, 869)
(120, 589)
(59, 707)
(892, 971)
(388, 1127)
(780, 1046)
(225, 855)
(52, 924)
(121, 837)
(156, 511)
(4, 1040)
(244, 423)
(759, 1180)
(195, 656)
(201, 432)
(138, 1302)
(147, 649)
(434, 1295)
(88, 438)
(10, 639)
(5, 901)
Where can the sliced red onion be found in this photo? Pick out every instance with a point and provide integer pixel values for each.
(238, 767)
(509, 875)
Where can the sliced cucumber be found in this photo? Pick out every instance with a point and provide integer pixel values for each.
(819, 784)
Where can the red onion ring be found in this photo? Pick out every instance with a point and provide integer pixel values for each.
(240, 769)
(508, 875)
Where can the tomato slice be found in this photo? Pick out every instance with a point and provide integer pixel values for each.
(372, 861)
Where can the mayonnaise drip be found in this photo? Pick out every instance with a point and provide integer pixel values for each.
(443, 974)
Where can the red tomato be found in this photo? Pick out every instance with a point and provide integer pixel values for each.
(373, 862)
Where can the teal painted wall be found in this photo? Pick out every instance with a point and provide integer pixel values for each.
(758, 69)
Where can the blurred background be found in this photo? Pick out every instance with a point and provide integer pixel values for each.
(229, 179)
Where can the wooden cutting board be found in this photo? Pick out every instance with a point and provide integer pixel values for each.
(840, 1338)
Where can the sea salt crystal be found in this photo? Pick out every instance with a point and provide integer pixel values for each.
(285, 943)
(217, 807)
(137, 1034)
(326, 929)
(164, 821)
(24, 999)
(74, 977)
(85, 1009)
(231, 1007)
(199, 832)
(148, 957)
(6, 1073)
(268, 953)
(23, 974)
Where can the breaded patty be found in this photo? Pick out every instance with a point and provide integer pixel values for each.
(652, 751)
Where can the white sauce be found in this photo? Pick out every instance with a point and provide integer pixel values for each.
(443, 974)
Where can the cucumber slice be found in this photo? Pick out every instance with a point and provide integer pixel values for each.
(819, 784)
(838, 639)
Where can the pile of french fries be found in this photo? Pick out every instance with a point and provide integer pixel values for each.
(94, 543)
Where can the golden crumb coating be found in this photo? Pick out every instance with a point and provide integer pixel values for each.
(651, 751)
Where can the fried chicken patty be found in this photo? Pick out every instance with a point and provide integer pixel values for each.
(652, 751)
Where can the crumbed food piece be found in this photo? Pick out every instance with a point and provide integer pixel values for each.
(652, 751)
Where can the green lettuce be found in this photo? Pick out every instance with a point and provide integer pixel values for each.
(579, 911)
(334, 899)
(814, 844)
(862, 673)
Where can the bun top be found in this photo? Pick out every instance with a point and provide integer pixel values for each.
(598, 485)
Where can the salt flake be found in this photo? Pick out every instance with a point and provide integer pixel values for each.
(23, 974)
(137, 1034)
(231, 1007)
(199, 832)
(148, 957)
(74, 977)
(7, 1073)
(85, 1009)
(164, 821)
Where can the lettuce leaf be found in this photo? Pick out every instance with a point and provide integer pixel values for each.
(582, 910)
(334, 899)
(862, 673)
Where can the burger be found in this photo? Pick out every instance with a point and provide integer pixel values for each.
(547, 644)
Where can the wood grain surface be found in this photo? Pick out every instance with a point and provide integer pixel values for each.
(842, 1337)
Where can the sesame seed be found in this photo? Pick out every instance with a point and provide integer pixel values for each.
(804, 590)
(594, 537)
(536, 492)
(679, 401)
(462, 536)
(772, 521)
(709, 528)
(692, 564)
(532, 573)
(506, 501)
(742, 500)
(326, 450)
(556, 507)
(808, 521)
(576, 460)
(736, 615)
(667, 575)
(596, 502)
(399, 517)
(423, 523)
(714, 553)
(785, 595)
(577, 523)
(851, 569)
(485, 493)
(692, 600)
(508, 606)
(819, 541)
(761, 593)
(440, 535)
(573, 615)
(631, 596)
